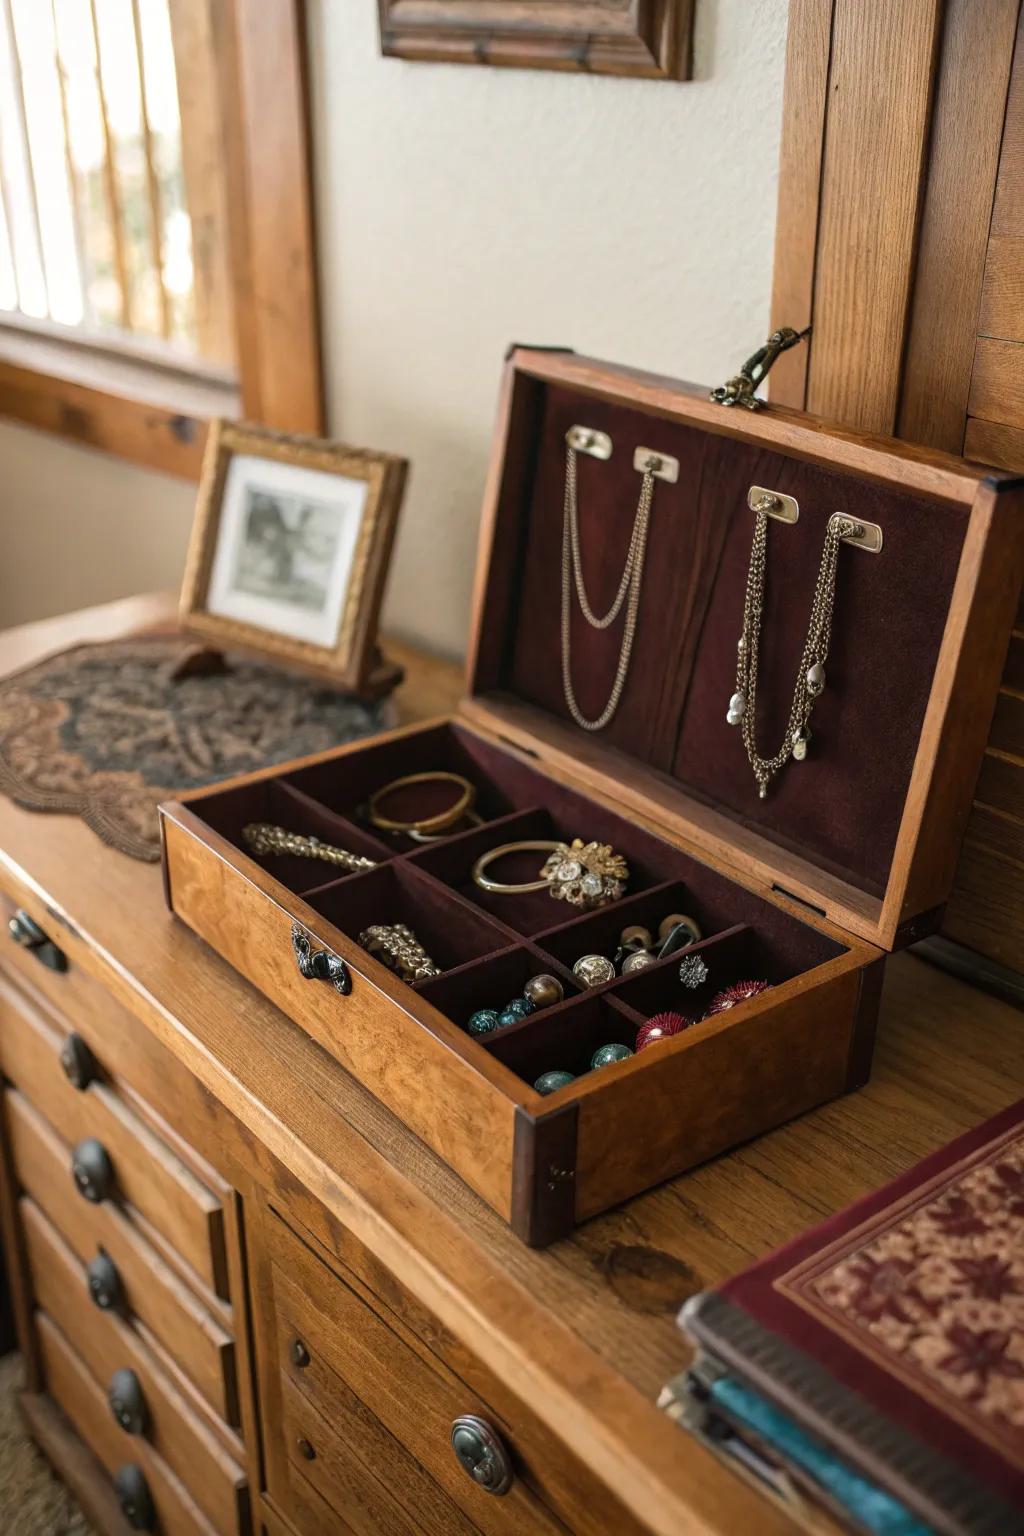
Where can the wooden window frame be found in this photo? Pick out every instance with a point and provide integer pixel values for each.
(651, 39)
(243, 70)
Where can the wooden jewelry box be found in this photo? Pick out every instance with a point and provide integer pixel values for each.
(850, 854)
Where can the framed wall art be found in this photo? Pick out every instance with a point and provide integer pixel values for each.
(648, 38)
(290, 549)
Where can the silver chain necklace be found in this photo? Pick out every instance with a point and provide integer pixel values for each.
(628, 593)
(810, 678)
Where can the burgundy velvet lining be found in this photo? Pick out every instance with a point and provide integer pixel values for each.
(487, 945)
(842, 807)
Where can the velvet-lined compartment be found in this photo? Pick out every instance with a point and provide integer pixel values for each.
(276, 802)
(841, 809)
(488, 946)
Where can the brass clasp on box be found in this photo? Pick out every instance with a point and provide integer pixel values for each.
(785, 509)
(587, 440)
(859, 534)
(661, 465)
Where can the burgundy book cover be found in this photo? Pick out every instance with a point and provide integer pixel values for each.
(895, 1331)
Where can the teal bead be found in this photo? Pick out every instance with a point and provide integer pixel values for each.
(606, 1054)
(483, 1022)
(509, 1016)
(520, 1005)
(550, 1082)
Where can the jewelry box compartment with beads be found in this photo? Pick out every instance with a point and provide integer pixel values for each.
(685, 1005)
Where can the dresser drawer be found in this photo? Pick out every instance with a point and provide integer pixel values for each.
(152, 1409)
(377, 1405)
(140, 1282)
(174, 1512)
(367, 1502)
(137, 1166)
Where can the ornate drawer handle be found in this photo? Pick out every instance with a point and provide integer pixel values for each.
(92, 1171)
(104, 1281)
(482, 1454)
(134, 1497)
(24, 930)
(128, 1402)
(78, 1062)
(320, 964)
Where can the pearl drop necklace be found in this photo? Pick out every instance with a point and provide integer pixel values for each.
(811, 677)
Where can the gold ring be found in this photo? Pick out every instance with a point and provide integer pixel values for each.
(438, 823)
(583, 874)
(473, 817)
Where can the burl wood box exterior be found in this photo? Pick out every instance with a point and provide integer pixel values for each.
(851, 855)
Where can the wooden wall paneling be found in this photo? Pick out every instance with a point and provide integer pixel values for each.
(1002, 293)
(1008, 209)
(880, 93)
(970, 105)
(808, 53)
(997, 385)
(991, 442)
(270, 216)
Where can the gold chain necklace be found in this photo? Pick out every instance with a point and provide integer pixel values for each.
(628, 593)
(810, 678)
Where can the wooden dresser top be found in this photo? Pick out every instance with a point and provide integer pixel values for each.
(585, 1330)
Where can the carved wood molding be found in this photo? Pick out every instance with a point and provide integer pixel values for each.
(647, 38)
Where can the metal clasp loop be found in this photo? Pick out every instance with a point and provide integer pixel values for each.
(320, 964)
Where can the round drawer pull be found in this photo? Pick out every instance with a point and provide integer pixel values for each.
(481, 1453)
(300, 1354)
(305, 1449)
(92, 1170)
(104, 1281)
(24, 930)
(128, 1402)
(134, 1497)
(78, 1062)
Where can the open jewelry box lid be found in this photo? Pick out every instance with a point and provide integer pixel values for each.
(867, 829)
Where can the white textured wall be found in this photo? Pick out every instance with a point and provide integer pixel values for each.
(460, 208)
(80, 527)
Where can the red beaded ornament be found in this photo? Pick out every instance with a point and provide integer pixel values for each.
(661, 1027)
(739, 992)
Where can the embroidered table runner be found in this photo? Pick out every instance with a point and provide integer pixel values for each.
(108, 731)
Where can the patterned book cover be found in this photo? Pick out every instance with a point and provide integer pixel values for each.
(894, 1332)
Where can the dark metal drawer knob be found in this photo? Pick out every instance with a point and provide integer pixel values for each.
(104, 1281)
(481, 1453)
(305, 1448)
(320, 964)
(24, 930)
(134, 1497)
(92, 1170)
(128, 1402)
(78, 1062)
(299, 1354)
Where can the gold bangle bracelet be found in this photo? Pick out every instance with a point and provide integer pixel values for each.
(438, 823)
(472, 817)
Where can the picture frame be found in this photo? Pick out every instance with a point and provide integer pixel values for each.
(289, 551)
(650, 39)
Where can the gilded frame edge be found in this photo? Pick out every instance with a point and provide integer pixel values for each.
(352, 660)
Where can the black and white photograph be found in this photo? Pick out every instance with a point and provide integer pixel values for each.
(288, 545)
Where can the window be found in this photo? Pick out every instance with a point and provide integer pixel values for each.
(141, 290)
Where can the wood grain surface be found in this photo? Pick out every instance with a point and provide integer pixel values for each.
(583, 1332)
